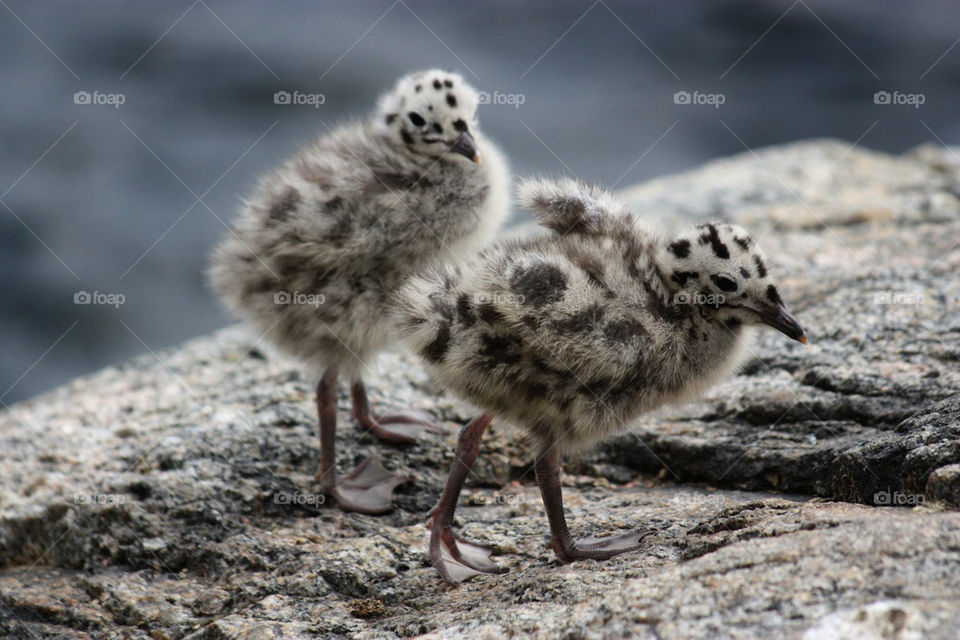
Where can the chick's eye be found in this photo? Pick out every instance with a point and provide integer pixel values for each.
(416, 119)
(460, 126)
(724, 283)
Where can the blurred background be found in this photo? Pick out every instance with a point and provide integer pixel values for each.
(129, 131)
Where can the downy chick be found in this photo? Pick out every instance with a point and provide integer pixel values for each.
(574, 334)
(326, 240)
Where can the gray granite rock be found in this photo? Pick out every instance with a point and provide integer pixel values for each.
(867, 247)
(173, 496)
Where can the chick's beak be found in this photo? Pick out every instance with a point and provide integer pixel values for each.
(781, 320)
(777, 317)
(466, 146)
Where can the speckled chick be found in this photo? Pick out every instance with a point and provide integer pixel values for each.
(324, 242)
(573, 334)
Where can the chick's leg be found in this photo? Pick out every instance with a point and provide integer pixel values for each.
(399, 426)
(547, 468)
(454, 557)
(368, 488)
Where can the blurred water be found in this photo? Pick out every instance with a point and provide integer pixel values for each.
(112, 207)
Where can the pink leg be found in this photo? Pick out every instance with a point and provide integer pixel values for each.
(400, 426)
(454, 557)
(368, 488)
(547, 468)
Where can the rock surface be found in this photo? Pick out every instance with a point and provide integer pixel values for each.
(173, 496)
(866, 245)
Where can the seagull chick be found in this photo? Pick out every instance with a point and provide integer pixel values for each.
(326, 240)
(575, 333)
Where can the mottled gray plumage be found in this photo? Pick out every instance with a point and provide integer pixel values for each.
(327, 239)
(352, 215)
(573, 334)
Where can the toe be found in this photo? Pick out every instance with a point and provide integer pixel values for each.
(457, 559)
(395, 428)
(407, 415)
(455, 571)
(477, 556)
(595, 548)
(367, 489)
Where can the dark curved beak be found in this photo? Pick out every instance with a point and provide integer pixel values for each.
(781, 320)
(466, 146)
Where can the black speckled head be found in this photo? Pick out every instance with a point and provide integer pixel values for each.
(432, 113)
(719, 267)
